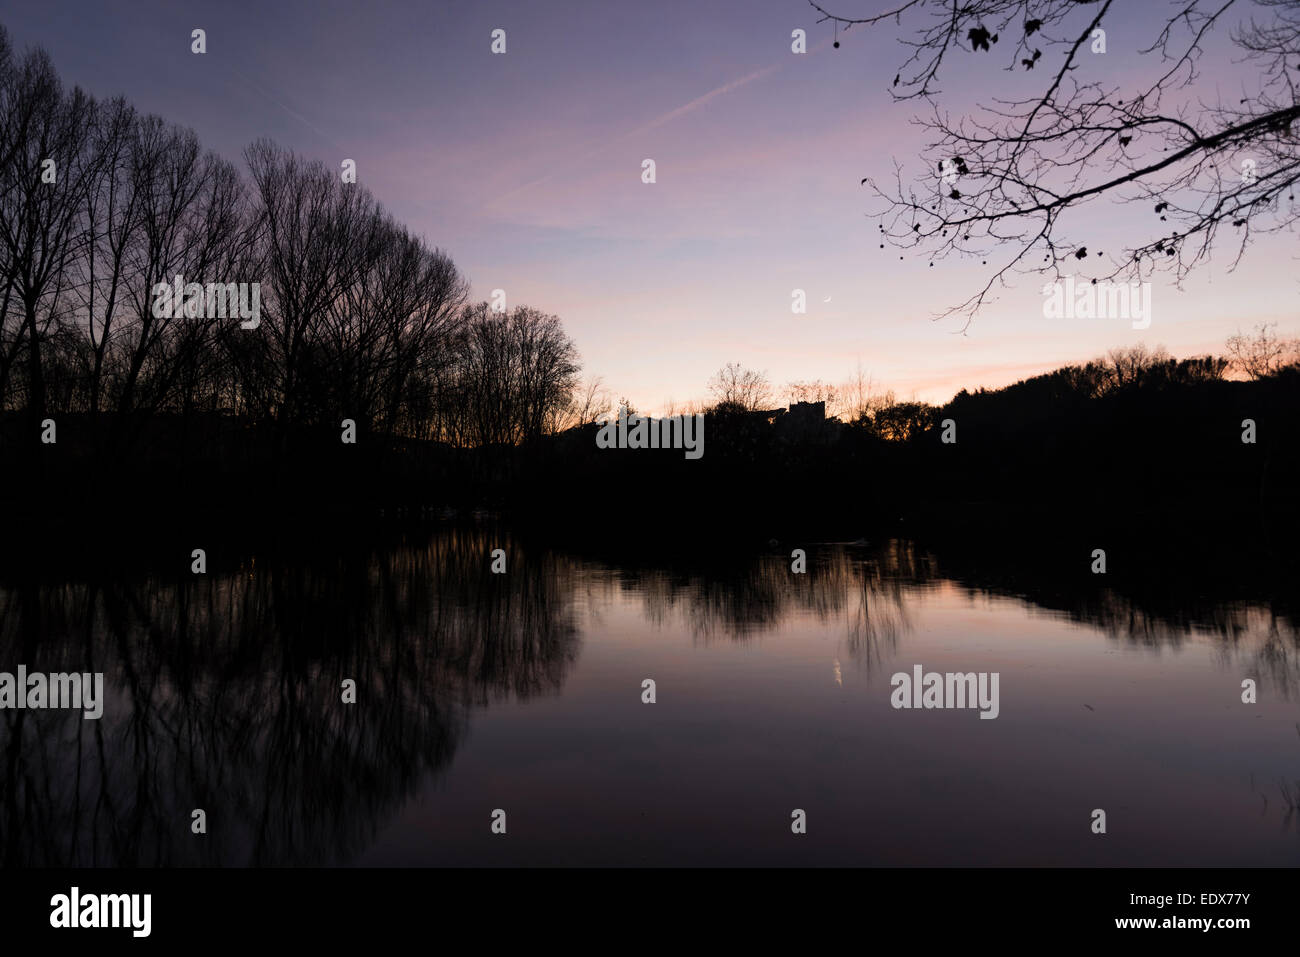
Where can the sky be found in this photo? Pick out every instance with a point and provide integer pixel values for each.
(527, 168)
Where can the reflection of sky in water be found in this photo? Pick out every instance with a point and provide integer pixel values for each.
(523, 692)
(798, 717)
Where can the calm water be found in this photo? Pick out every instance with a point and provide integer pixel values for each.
(523, 692)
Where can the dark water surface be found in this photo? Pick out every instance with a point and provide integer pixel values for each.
(523, 692)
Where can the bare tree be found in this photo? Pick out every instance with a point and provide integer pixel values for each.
(859, 397)
(999, 184)
(1133, 365)
(1262, 353)
(591, 403)
(193, 222)
(516, 373)
(319, 236)
(113, 223)
(814, 391)
(15, 117)
(41, 204)
(384, 338)
(738, 387)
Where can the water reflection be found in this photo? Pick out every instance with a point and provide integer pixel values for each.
(225, 695)
(225, 690)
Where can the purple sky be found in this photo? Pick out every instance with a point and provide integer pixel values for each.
(526, 167)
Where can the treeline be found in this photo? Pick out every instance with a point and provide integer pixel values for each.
(1045, 396)
(1133, 444)
(359, 318)
(859, 403)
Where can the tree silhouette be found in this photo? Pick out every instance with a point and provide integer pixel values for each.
(1262, 353)
(1000, 183)
(741, 388)
(358, 318)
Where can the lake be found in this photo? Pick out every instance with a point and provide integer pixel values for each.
(523, 693)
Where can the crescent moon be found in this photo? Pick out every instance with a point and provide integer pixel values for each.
(827, 299)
